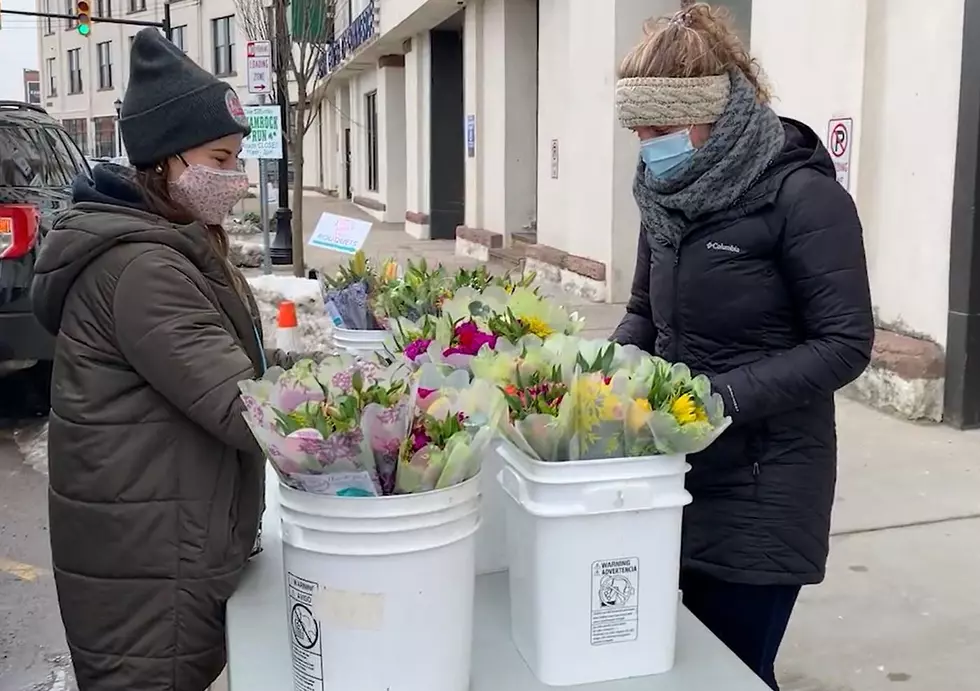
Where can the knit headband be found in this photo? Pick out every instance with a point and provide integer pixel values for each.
(668, 101)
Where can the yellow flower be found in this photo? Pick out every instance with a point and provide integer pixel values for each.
(390, 270)
(639, 409)
(686, 410)
(537, 326)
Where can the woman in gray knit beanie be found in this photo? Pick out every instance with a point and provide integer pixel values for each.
(156, 482)
(750, 269)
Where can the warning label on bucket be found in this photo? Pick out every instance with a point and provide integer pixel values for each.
(615, 600)
(304, 632)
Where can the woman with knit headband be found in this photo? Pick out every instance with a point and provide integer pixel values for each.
(750, 268)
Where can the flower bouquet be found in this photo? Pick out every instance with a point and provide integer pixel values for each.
(330, 428)
(350, 295)
(418, 293)
(492, 319)
(571, 399)
(453, 423)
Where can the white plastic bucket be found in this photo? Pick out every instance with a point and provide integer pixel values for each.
(360, 342)
(594, 552)
(491, 538)
(379, 591)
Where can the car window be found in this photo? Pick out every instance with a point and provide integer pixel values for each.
(78, 160)
(22, 163)
(64, 167)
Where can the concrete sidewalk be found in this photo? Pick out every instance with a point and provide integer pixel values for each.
(898, 608)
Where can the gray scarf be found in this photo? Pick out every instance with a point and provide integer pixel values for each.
(743, 143)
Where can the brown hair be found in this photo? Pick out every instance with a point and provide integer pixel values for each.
(153, 183)
(697, 41)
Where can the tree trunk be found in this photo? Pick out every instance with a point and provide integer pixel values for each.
(299, 241)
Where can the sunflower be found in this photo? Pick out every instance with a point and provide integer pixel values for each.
(686, 410)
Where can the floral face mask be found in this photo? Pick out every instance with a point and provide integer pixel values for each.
(209, 194)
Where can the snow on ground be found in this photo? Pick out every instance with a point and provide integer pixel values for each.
(314, 326)
(32, 441)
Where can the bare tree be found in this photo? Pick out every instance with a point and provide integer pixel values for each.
(299, 33)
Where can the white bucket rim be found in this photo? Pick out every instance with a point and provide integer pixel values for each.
(576, 472)
(670, 500)
(450, 532)
(377, 525)
(385, 507)
(360, 334)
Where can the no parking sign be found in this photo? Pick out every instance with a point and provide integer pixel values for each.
(840, 134)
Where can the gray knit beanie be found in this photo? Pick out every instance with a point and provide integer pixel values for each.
(173, 105)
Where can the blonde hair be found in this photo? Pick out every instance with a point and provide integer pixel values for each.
(697, 41)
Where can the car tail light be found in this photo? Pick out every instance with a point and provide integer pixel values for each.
(18, 229)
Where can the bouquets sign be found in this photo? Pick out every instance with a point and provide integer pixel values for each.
(330, 428)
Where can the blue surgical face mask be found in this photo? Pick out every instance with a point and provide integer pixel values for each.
(662, 154)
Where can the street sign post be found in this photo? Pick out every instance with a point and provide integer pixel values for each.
(258, 59)
(264, 143)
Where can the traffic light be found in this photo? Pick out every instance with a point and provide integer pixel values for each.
(84, 15)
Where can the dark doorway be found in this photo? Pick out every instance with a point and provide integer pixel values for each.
(347, 171)
(447, 184)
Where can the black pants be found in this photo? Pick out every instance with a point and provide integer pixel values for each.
(750, 619)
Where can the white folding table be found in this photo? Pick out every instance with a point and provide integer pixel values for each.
(259, 657)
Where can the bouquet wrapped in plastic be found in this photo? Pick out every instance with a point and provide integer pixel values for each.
(350, 295)
(331, 428)
(507, 318)
(453, 424)
(572, 399)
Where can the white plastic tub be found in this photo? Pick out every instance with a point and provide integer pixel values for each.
(491, 538)
(379, 591)
(360, 342)
(594, 552)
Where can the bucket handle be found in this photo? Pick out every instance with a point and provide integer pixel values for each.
(514, 485)
(623, 496)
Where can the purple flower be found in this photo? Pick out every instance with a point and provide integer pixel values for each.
(417, 348)
(469, 340)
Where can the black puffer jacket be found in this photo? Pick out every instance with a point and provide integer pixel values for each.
(770, 299)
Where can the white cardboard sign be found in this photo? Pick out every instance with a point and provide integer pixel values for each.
(339, 233)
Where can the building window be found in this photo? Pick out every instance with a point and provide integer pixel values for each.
(223, 39)
(137, 6)
(51, 68)
(48, 21)
(70, 9)
(105, 137)
(105, 65)
(75, 71)
(180, 37)
(104, 8)
(371, 108)
(77, 129)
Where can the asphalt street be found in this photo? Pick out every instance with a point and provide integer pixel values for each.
(33, 653)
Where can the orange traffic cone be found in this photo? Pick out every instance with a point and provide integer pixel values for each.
(287, 334)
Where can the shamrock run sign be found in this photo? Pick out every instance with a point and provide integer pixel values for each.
(265, 141)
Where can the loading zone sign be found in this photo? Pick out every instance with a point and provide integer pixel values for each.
(840, 144)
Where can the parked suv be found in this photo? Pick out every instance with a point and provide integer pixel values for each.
(38, 161)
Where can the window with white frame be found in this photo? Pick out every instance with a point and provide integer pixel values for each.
(180, 37)
(51, 70)
(48, 21)
(371, 109)
(75, 71)
(104, 51)
(137, 6)
(223, 40)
